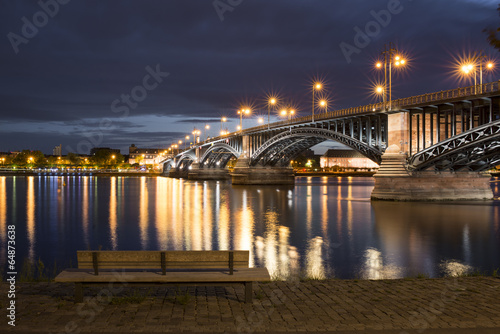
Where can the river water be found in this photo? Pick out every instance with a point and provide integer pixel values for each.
(322, 227)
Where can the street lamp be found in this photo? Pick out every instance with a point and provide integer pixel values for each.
(241, 112)
(324, 104)
(272, 101)
(317, 86)
(223, 119)
(287, 112)
(391, 55)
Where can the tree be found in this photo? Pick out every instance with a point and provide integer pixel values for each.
(27, 157)
(73, 158)
(492, 35)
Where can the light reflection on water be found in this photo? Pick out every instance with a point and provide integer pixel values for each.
(320, 228)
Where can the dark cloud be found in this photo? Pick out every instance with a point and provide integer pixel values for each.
(94, 52)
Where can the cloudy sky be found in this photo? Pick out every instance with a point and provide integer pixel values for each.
(112, 73)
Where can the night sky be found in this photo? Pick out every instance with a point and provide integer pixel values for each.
(113, 73)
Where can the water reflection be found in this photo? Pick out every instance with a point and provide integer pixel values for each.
(3, 218)
(374, 267)
(143, 212)
(320, 227)
(420, 235)
(113, 225)
(315, 268)
(454, 268)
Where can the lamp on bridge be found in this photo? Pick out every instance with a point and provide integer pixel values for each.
(223, 119)
(272, 102)
(287, 112)
(207, 127)
(317, 86)
(391, 56)
(245, 111)
(471, 66)
(196, 133)
(323, 104)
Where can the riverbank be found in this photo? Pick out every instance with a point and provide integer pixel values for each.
(381, 306)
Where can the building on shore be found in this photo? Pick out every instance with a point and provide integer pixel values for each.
(57, 151)
(346, 160)
(148, 156)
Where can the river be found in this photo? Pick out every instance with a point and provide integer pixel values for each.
(322, 227)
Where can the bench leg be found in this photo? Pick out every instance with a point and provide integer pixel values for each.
(78, 293)
(248, 292)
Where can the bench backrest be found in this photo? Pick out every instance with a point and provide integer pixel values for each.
(162, 260)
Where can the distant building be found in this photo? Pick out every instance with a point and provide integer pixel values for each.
(57, 151)
(148, 156)
(349, 159)
(94, 150)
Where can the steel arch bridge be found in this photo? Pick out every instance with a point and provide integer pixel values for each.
(449, 130)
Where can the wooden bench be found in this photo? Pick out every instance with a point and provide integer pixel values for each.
(163, 267)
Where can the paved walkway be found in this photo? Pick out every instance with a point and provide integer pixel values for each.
(386, 306)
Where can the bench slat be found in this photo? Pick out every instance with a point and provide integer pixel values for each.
(240, 275)
(152, 259)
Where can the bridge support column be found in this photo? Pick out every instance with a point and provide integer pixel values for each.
(197, 173)
(394, 183)
(178, 174)
(243, 174)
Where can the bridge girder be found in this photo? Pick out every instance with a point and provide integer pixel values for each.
(475, 150)
(280, 149)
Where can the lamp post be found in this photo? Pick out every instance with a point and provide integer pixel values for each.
(488, 65)
(316, 87)
(287, 112)
(272, 101)
(391, 55)
(324, 104)
(207, 127)
(223, 119)
(241, 112)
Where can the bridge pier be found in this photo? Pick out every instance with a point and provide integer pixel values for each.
(178, 174)
(393, 182)
(243, 174)
(197, 173)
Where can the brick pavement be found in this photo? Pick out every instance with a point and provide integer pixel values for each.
(404, 306)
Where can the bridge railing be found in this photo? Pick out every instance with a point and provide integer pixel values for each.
(378, 107)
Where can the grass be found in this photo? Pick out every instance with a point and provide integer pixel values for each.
(35, 272)
(182, 299)
(134, 298)
(259, 295)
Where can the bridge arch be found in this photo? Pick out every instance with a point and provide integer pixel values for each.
(218, 155)
(185, 160)
(168, 165)
(474, 150)
(282, 148)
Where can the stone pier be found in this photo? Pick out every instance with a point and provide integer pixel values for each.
(178, 174)
(394, 182)
(197, 173)
(243, 174)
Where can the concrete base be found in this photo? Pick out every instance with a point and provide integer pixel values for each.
(178, 174)
(394, 183)
(209, 174)
(430, 186)
(244, 175)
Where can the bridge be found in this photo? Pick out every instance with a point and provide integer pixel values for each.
(433, 146)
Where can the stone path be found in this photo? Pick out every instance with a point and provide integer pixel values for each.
(395, 306)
